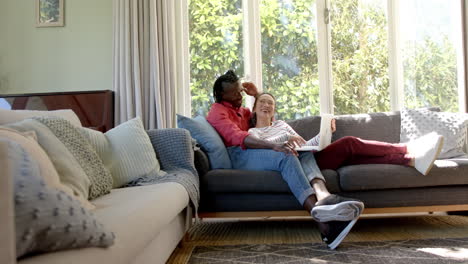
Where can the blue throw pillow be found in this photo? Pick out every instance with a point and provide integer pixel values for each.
(209, 140)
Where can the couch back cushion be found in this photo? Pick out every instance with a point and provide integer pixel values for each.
(374, 126)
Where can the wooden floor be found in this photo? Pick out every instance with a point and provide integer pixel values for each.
(230, 231)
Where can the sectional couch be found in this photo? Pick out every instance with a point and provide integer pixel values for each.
(383, 188)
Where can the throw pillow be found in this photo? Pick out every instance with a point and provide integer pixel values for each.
(75, 160)
(126, 151)
(453, 126)
(11, 116)
(47, 219)
(28, 142)
(209, 140)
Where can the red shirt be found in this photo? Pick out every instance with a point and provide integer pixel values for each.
(231, 123)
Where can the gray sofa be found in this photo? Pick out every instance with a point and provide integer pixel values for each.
(383, 188)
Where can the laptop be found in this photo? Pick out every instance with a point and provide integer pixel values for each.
(325, 135)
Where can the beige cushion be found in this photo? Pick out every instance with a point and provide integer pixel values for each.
(11, 116)
(68, 168)
(27, 141)
(126, 151)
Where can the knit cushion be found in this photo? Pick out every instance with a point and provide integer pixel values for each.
(48, 219)
(209, 140)
(453, 126)
(126, 151)
(46, 167)
(75, 160)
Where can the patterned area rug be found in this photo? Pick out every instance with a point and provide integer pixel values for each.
(449, 250)
(407, 239)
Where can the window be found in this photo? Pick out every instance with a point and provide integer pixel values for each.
(430, 40)
(334, 56)
(359, 50)
(216, 44)
(289, 56)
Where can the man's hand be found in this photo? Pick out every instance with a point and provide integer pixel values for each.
(250, 88)
(333, 125)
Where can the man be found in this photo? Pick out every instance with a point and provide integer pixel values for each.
(335, 215)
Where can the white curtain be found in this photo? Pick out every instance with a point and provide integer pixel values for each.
(150, 61)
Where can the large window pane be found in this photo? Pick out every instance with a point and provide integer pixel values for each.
(289, 56)
(359, 56)
(429, 31)
(215, 46)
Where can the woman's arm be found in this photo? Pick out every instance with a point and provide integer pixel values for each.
(294, 137)
(255, 143)
(315, 140)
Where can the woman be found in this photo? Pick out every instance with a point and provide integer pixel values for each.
(349, 150)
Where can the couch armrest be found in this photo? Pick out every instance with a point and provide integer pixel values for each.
(173, 147)
(202, 163)
(7, 216)
(466, 142)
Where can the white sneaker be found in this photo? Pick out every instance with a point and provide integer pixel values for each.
(425, 149)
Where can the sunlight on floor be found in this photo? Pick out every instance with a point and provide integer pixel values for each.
(455, 253)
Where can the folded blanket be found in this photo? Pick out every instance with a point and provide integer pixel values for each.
(174, 148)
(182, 176)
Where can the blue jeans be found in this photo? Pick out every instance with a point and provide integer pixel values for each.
(288, 165)
(309, 165)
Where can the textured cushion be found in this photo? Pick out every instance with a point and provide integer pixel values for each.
(126, 151)
(48, 219)
(453, 126)
(11, 116)
(75, 160)
(209, 140)
(140, 217)
(46, 167)
(84, 153)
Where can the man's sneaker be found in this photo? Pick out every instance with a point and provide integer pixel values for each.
(425, 149)
(337, 208)
(335, 231)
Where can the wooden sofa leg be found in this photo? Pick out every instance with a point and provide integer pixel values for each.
(185, 239)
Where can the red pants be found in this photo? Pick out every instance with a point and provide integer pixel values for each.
(352, 150)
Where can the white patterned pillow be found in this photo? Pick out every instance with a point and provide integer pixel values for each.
(453, 126)
(126, 151)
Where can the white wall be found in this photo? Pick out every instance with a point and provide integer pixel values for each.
(75, 57)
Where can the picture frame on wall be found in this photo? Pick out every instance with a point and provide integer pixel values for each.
(49, 13)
